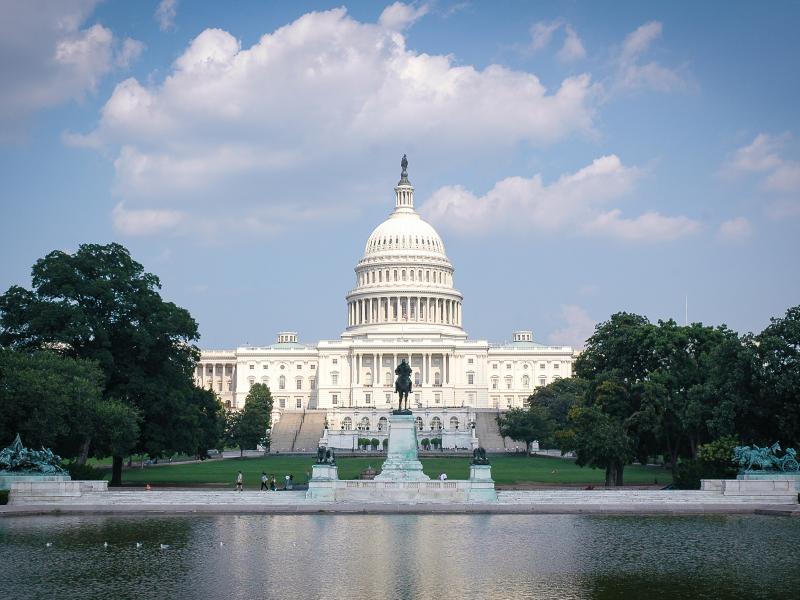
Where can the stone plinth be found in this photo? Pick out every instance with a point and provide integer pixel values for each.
(6, 479)
(481, 484)
(402, 463)
(756, 476)
(766, 488)
(322, 485)
(48, 492)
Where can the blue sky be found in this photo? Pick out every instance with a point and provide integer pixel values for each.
(578, 158)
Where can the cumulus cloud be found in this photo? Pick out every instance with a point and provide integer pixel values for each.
(778, 175)
(542, 34)
(165, 14)
(399, 16)
(735, 230)
(578, 327)
(576, 202)
(54, 59)
(632, 72)
(324, 90)
(145, 222)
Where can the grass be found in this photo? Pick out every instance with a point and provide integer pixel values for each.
(506, 470)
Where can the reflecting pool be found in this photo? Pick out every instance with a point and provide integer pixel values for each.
(369, 557)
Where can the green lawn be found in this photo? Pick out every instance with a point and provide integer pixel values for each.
(505, 470)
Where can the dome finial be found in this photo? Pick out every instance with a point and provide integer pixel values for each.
(404, 173)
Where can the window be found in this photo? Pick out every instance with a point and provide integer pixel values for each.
(418, 422)
(347, 423)
(334, 379)
(367, 398)
(230, 386)
(282, 382)
(437, 398)
(219, 386)
(509, 381)
(437, 379)
(251, 368)
(313, 383)
(417, 400)
(364, 424)
(525, 366)
(382, 423)
(436, 424)
(282, 402)
(494, 365)
(388, 398)
(526, 381)
(299, 383)
(417, 379)
(556, 365)
(495, 382)
(335, 361)
(283, 367)
(542, 366)
(543, 380)
(508, 365)
(470, 361)
(471, 378)
(265, 367)
(298, 402)
(387, 378)
(335, 400)
(453, 423)
(368, 378)
(313, 367)
(299, 367)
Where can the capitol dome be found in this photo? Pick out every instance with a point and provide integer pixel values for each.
(404, 281)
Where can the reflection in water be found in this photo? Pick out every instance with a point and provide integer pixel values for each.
(369, 557)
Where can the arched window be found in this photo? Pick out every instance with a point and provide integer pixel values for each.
(403, 274)
(347, 424)
(382, 423)
(368, 378)
(418, 422)
(436, 424)
(364, 424)
(387, 378)
(437, 378)
(411, 273)
(417, 379)
(395, 274)
(453, 423)
(380, 276)
(282, 382)
(526, 381)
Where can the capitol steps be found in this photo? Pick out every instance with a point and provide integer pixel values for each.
(311, 430)
(488, 432)
(283, 433)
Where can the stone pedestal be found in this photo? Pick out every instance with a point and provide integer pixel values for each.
(772, 475)
(322, 485)
(402, 463)
(6, 479)
(481, 484)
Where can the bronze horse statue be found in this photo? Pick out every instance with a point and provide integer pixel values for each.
(403, 383)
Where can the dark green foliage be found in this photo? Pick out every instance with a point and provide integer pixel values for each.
(4, 497)
(526, 425)
(248, 428)
(374, 443)
(714, 461)
(100, 304)
(425, 443)
(84, 472)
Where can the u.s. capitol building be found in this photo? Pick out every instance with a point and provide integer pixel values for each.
(404, 306)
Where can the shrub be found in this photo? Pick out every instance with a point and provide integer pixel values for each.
(374, 443)
(3, 496)
(714, 461)
(84, 472)
(425, 443)
(385, 444)
(436, 442)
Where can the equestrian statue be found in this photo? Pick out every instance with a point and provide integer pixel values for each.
(403, 385)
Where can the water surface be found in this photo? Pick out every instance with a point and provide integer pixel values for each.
(369, 557)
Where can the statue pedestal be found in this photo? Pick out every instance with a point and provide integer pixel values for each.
(481, 488)
(322, 485)
(402, 463)
(7, 479)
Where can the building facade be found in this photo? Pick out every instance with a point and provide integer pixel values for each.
(404, 305)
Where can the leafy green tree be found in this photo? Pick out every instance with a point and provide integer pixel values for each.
(100, 304)
(557, 398)
(255, 417)
(778, 411)
(601, 441)
(526, 425)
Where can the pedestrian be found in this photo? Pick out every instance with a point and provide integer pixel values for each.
(291, 481)
(264, 485)
(286, 482)
(239, 482)
(272, 485)
(443, 477)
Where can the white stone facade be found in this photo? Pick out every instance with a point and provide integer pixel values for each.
(404, 306)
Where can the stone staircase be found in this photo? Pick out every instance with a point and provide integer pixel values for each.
(489, 434)
(311, 429)
(284, 432)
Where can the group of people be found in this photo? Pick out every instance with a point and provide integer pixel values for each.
(268, 483)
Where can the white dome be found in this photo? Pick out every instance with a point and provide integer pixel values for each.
(404, 231)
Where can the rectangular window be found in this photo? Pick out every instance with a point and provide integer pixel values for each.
(367, 398)
(556, 365)
(508, 365)
(282, 402)
(334, 379)
(437, 398)
(299, 384)
(335, 361)
(508, 384)
(471, 378)
(494, 365)
(470, 361)
(300, 366)
(299, 402)
(313, 367)
(266, 367)
(313, 382)
(388, 398)
(542, 366)
(252, 367)
(334, 398)
(542, 381)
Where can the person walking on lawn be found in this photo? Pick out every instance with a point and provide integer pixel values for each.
(264, 485)
(239, 482)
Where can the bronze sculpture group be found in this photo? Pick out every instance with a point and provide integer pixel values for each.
(403, 386)
(766, 458)
(18, 459)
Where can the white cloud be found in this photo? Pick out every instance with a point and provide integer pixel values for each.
(648, 227)
(633, 74)
(318, 94)
(165, 14)
(579, 327)
(129, 53)
(399, 16)
(572, 49)
(542, 34)
(145, 222)
(735, 230)
(779, 175)
(54, 60)
(574, 203)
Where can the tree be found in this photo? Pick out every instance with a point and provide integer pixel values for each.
(601, 441)
(526, 425)
(778, 412)
(100, 304)
(256, 415)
